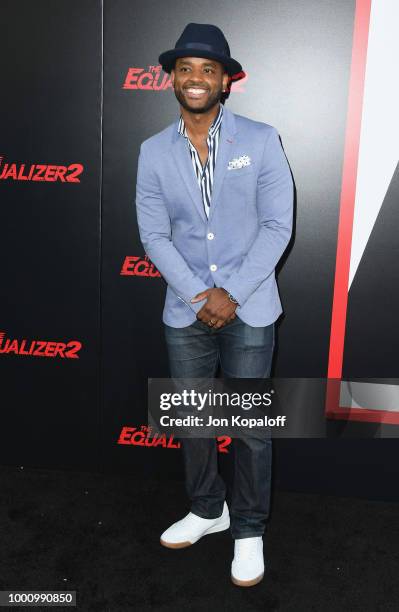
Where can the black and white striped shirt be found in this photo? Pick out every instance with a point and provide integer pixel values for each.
(205, 174)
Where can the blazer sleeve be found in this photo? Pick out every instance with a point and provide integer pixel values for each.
(275, 210)
(155, 234)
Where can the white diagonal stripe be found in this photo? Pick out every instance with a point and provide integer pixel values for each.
(379, 136)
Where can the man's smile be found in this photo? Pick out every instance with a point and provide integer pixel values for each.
(195, 92)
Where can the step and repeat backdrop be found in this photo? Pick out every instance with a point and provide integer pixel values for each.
(81, 303)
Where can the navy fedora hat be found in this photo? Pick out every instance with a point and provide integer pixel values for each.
(201, 40)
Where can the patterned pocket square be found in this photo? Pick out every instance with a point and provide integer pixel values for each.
(239, 162)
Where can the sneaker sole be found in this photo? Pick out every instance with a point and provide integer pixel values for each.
(176, 545)
(247, 583)
(187, 543)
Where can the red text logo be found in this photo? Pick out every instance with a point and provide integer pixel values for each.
(143, 437)
(153, 78)
(39, 348)
(139, 266)
(40, 172)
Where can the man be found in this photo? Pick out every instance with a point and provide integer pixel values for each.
(214, 208)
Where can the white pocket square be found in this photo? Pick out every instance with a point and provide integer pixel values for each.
(239, 162)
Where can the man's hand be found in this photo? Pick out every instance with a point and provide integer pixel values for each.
(218, 309)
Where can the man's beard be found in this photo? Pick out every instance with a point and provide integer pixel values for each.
(212, 100)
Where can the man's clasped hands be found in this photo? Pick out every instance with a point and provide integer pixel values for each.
(218, 309)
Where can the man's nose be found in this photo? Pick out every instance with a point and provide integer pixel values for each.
(197, 80)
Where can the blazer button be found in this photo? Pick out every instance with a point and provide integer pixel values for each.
(213, 267)
(210, 236)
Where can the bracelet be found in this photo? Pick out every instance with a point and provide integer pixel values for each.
(232, 299)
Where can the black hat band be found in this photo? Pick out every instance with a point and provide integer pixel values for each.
(200, 46)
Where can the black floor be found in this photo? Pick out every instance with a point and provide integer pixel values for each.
(99, 535)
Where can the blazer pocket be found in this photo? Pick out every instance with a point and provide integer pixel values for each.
(240, 172)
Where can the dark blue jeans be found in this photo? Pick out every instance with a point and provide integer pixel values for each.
(243, 352)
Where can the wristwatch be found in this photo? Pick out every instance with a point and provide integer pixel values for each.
(232, 298)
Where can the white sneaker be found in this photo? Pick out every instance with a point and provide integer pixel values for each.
(191, 528)
(248, 566)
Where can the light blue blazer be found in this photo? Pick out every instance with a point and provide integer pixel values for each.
(248, 228)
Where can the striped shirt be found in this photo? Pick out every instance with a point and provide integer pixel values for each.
(205, 173)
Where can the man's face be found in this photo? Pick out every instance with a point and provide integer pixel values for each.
(198, 83)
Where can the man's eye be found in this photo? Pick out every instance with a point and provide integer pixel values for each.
(183, 68)
(208, 69)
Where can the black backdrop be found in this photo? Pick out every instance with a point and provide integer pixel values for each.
(72, 94)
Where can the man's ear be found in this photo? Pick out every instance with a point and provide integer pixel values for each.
(225, 81)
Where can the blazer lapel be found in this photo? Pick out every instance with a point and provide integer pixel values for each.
(184, 164)
(226, 143)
